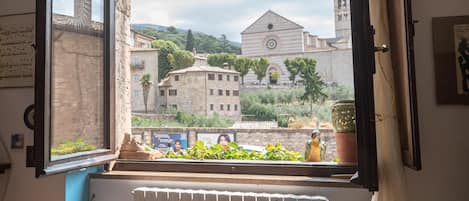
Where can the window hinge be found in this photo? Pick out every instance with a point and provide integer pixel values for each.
(30, 156)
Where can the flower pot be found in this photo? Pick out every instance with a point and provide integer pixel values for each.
(343, 119)
(346, 148)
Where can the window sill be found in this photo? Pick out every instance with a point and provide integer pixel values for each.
(319, 169)
(228, 178)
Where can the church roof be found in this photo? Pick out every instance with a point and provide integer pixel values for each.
(203, 69)
(292, 25)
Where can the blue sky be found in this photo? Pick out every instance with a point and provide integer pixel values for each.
(230, 17)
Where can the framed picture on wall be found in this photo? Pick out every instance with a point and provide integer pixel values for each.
(451, 52)
(210, 139)
(169, 141)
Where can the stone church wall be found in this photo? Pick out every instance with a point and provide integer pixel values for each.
(333, 66)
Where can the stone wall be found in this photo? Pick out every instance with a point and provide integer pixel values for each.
(291, 139)
(77, 86)
(332, 66)
(122, 71)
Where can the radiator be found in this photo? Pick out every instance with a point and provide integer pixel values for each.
(167, 194)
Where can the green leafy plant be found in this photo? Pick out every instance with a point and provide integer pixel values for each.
(235, 152)
(146, 83)
(69, 147)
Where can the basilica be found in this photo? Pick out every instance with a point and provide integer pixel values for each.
(277, 38)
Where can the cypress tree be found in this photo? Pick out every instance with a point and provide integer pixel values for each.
(189, 41)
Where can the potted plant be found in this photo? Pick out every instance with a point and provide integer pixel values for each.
(343, 120)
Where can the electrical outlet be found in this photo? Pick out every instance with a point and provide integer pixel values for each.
(17, 141)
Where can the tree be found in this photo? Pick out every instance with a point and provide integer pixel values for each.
(146, 84)
(294, 67)
(260, 68)
(313, 84)
(189, 41)
(220, 59)
(166, 48)
(242, 65)
(180, 59)
(223, 39)
(172, 29)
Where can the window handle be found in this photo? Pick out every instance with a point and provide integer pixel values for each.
(383, 48)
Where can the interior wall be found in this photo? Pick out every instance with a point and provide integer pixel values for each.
(444, 130)
(22, 184)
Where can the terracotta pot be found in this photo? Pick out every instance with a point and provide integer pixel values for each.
(346, 147)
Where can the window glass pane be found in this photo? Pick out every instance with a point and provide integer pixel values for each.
(264, 82)
(77, 72)
(64, 7)
(97, 8)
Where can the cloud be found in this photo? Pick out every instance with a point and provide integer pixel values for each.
(230, 17)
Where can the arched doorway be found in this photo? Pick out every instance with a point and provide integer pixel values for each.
(274, 73)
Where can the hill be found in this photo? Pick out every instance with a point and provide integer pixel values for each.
(203, 43)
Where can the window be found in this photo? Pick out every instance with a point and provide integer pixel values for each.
(211, 77)
(235, 78)
(211, 92)
(136, 78)
(258, 102)
(227, 92)
(162, 93)
(72, 114)
(176, 78)
(173, 92)
(227, 77)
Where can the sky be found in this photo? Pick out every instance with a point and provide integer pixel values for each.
(231, 17)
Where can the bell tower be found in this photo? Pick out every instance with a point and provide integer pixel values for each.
(342, 19)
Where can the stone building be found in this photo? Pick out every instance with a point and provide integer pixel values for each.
(144, 60)
(277, 38)
(140, 40)
(202, 90)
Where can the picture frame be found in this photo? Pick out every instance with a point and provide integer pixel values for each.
(210, 139)
(166, 141)
(451, 57)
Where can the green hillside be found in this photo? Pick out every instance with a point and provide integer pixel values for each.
(202, 42)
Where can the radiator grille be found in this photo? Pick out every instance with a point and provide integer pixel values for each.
(167, 194)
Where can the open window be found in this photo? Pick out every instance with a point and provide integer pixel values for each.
(74, 85)
(74, 96)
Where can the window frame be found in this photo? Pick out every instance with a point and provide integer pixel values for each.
(38, 155)
(363, 66)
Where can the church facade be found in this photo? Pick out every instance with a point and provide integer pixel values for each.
(277, 38)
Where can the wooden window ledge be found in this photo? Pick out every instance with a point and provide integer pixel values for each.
(337, 181)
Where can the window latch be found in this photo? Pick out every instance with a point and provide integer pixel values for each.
(383, 48)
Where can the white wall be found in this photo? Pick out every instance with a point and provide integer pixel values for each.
(22, 183)
(444, 130)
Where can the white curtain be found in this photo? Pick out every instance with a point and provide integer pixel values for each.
(392, 185)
